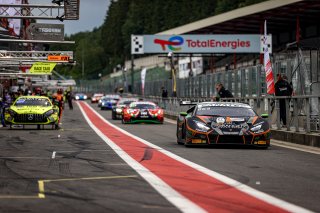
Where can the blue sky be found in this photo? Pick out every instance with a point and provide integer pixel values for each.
(92, 14)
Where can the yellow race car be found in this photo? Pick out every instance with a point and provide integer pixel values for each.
(32, 110)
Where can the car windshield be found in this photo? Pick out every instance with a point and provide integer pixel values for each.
(225, 111)
(142, 106)
(108, 100)
(126, 101)
(33, 102)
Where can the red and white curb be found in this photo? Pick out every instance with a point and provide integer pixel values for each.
(188, 186)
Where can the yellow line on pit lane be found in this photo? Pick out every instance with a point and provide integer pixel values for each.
(41, 193)
(41, 189)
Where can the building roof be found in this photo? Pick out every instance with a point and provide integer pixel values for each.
(280, 15)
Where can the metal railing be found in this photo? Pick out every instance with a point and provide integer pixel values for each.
(302, 112)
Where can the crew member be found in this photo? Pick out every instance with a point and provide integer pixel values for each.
(69, 98)
(58, 100)
(5, 103)
(222, 92)
(283, 88)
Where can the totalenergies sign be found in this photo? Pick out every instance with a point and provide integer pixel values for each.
(243, 43)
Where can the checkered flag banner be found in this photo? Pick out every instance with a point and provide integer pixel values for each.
(137, 44)
(268, 43)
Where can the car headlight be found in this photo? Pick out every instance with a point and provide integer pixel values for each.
(257, 129)
(77, 97)
(85, 97)
(11, 112)
(118, 110)
(48, 113)
(202, 126)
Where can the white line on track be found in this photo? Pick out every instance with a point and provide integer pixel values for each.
(299, 147)
(167, 192)
(174, 197)
(170, 121)
(53, 155)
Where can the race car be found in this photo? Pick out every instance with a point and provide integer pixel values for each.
(118, 109)
(142, 112)
(32, 110)
(210, 123)
(96, 97)
(80, 96)
(108, 101)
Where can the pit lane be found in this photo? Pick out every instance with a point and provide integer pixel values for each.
(68, 170)
(81, 173)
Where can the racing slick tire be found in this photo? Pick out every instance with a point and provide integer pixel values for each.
(184, 134)
(179, 140)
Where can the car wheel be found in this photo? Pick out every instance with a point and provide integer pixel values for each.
(184, 135)
(179, 140)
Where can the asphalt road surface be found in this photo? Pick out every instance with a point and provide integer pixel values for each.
(73, 169)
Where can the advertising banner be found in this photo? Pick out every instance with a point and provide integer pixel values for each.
(243, 43)
(42, 68)
(267, 64)
(43, 31)
(13, 25)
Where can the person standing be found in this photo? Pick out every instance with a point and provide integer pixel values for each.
(2, 111)
(283, 88)
(58, 100)
(222, 92)
(164, 92)
(69, 99)
(5, 103)
(164, 96)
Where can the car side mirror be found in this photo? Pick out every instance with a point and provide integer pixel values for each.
(264, 115)
(183, 114)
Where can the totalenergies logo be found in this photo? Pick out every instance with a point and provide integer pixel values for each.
(172, 43)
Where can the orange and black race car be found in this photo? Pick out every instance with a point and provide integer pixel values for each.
(210, 123)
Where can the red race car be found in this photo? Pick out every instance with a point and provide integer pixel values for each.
(142, 112)
(96, 97)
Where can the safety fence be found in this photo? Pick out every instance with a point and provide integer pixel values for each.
(301, 68)
(302, 112)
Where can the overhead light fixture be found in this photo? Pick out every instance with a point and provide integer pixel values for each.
(60, 18)
(57, 2)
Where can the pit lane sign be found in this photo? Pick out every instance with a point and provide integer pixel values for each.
(230, 43)
(58, 58)
(42, 68)
(49, 32)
